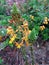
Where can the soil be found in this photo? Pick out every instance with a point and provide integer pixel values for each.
(41, 54)
(12, 56)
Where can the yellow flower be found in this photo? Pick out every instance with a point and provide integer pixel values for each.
(48, 20)
(14, 35)
(32, 17)
(16, 31)
(10, 30)
(45, 22)
(18, 45)
(26, 38)
(12, 39)
(10, 42)
(29, 31)
(42, 27)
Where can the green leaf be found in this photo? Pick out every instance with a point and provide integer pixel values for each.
(11, 45)
(33, 35)
(14, 10)
(45, 36)
(2, 31)
(4, 44)
(1, 60)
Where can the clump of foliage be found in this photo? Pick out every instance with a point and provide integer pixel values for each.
(16, 31)
(37, 14)
(26, 28)
(21, 30)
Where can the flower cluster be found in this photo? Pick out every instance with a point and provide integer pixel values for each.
(10, 31)
(46, 22)
(13, 34)
(12, 38)
(42, 27)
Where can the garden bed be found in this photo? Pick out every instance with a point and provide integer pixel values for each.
(24, 32)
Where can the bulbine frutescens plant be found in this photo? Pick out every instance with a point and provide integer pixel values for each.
(17, 30)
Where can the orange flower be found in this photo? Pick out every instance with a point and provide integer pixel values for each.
(10, 30)
(12, 38)
(25, 23)
(11, 21)
(27, 44)
(18, 45)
